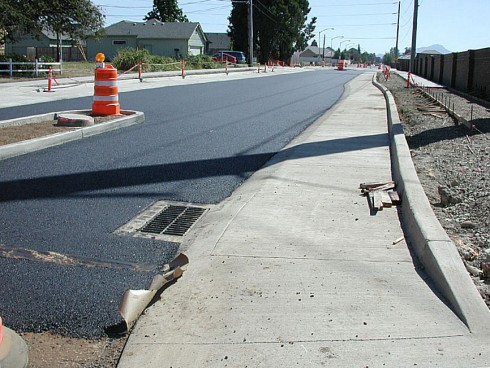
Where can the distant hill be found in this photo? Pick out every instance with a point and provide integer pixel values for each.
(439, 48)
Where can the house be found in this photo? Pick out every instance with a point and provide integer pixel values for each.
(314, 54)
(171, 39)
(45, 44)
(217, 42)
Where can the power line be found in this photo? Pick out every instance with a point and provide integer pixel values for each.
(264, 13)
(332, 5)
(363, 25)
(266, 8)
(407, 8)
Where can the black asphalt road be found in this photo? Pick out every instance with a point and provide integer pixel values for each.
(198, 143)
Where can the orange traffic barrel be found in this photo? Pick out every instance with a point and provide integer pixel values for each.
(340, 65)
(106, 100)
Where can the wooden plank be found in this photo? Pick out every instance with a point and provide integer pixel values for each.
(377, 201)
(395, 197)
(371, 185)
(385, 199)
(383, 187)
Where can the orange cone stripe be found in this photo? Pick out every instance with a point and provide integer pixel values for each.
(105, 91)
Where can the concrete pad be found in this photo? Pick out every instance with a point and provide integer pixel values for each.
(446, 352)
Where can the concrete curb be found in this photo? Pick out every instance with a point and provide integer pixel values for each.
(13, 350)
(16, 149)
(431, 244)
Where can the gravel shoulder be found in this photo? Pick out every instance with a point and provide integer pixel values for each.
(453, 165)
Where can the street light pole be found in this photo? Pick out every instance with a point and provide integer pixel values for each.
(320, 39)
(340, 47)
(333, 38)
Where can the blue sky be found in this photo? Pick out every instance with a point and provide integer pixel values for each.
(458, 25)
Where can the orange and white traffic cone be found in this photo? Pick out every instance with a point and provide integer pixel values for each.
(50, 78)
(106, 99)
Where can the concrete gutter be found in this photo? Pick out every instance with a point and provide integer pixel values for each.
(433, 247)
(16, 149)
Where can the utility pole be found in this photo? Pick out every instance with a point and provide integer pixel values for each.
(414, 34)
(397, 34)
(323, 54)
(250, 34)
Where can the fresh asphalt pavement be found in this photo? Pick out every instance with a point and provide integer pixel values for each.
(199, 142)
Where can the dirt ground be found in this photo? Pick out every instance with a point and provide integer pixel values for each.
(453, 165)
(449, 159)
(19, 133)
(52, 351)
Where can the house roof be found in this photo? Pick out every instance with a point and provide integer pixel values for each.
(430, 52)
(314, 51)
(152, 28)
(219, 40)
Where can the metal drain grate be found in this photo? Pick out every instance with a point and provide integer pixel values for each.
(173, 220)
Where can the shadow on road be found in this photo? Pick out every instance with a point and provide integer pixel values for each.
(60, 186)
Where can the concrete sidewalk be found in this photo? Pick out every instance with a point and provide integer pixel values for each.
(294, 271)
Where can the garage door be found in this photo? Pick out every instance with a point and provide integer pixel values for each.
(195, 50)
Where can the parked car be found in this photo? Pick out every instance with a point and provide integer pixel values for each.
(223, 56)
(239, 55)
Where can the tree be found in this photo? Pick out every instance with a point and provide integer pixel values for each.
(71, 17)
(387, 58)
(279, 26)
(166, 11)
(74, 18)
(305, 35)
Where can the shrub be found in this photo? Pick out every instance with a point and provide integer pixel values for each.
(129, 57)
(162, 63)
(201, 62)
(16, 59)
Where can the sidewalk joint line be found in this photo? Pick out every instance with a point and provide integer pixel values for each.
(230, 221)
(305, 258)
(303, 341)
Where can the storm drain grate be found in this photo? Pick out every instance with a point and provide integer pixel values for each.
(173, 220)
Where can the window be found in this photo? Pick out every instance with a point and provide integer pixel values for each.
(118, 42)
